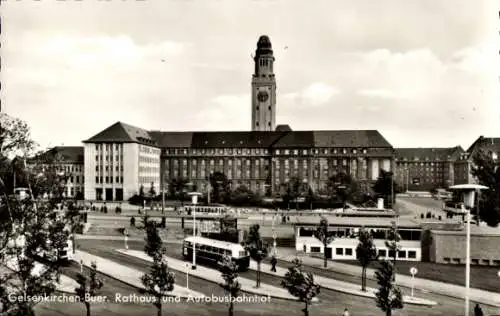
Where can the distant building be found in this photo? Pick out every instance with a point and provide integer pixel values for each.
(67, 159)
(118, 161)
(423, 169)
(122, 158)
(488, 145)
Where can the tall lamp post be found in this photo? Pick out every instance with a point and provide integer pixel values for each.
(469, 190)
(194, 201)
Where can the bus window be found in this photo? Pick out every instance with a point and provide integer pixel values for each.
(242, 253)
(228, 252)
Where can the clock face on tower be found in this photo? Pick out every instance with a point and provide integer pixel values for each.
(262, 96)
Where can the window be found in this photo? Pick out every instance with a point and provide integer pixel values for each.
(447, 260)
(315, 249)
(339, 251)
(121, 179)
(382, 252)
(348, 251)
(401, 254)
(485, 262)
(96, 168)
(391, 253)
(475, 261)
(412, 254)
(456, 260)
(107, 179)
(96, 179)
(117, 179)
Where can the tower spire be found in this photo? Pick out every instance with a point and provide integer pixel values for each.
(263, 87)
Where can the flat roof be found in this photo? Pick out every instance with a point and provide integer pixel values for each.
(474, 230)
(357, 221)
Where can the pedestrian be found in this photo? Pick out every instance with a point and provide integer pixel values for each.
(346, 312)
(478, 311)
(273, 263)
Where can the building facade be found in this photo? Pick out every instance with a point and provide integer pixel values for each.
(488, 145)
(345, 231)
(118, 161)
(68, 160)
(424, 169)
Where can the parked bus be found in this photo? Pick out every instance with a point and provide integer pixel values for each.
(212, 251)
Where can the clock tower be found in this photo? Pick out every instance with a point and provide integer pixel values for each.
(263, 88)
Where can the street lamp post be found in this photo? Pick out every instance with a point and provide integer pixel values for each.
(467, 262)
(187, 276)
(274, 236)
(413, 271)
(194, 201)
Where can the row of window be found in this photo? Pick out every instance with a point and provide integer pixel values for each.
(317, 151)
(100, 158)
(108, 147)
(402, 254)
(77, 179)
(262, 151)
(473, 261)
(377, 233)
(108, 180)
(148, 180)
(149, 150)
(220, 151)
(108, 168)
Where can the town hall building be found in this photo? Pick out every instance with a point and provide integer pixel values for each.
(122, 158)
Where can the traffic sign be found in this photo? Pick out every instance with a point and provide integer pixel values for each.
(413, 270)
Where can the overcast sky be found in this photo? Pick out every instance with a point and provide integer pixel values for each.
(424, 73)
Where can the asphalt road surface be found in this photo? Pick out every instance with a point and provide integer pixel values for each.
(331, 302)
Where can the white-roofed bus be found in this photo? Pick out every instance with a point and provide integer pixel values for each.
(211, 251)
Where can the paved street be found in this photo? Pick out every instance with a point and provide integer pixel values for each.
(329, 300)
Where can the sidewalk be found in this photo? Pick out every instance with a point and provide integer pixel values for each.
(122, 238)
(340, 286)
(127, 275)
(481, 296)
(65, 284)
(212, 275)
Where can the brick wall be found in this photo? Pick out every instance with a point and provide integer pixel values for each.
(449, 247)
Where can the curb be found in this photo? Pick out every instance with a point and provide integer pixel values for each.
(491, 304)
(250, 290)
(367, 294)
(133, 285)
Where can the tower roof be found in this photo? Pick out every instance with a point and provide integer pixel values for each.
(264, 46)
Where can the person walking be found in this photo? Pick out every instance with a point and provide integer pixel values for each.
(478, 311)
(273, 263)
(346, 312)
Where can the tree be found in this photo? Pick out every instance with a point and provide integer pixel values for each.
(229, 271)
(301, 285)
(152, 192)
(228, 229)
(341, 186)
(242, 195)
(366, 252)
(160, 280)
(29, 229)
(388, 296)
(220, 187)
(391, 243)
(255, 246)
(386, 188)
(322, 234)
(89, 286)
(310, 197)
(142, 195)
(177, 188)
(487, 172)
(294, 189)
